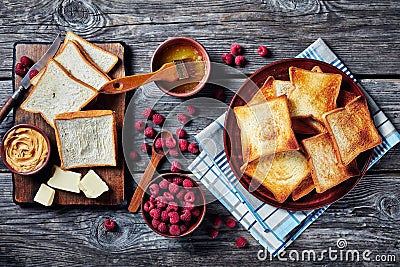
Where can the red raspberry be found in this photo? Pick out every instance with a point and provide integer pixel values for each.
(191, 110)
(189, 197)
(183, 118)
(219, 94)
(177, 180)
(228, 58)
(172, 206)
(174, 152)
(173, 217)
(20, 69)
(217, 221)
(174, 230)
(148, 206)
(183, 144)
(145, 148)
(173, 188)
(170, 142)
(155, 213)
(240, 61)
(196, 212)
(139, 125)
(231, 223)
(183, 228)
(155, 223)
(186, 216)
(149, 132)
(26, 61)
(162, 227)
(133, 155)
(152, 199)
(154, 189)
(175, 166)
(180, 133)
(181, 194)
(159, 143)
(241, 242)
(164, 216)
(262, 51)
(236, 49)
(163, 184)
(158, 119)
(168, 196)
(187, 183)
(213, 233)
(193, 148)
(33, 73)
(148, 113)
(161, 202)
(189, 206)
(109, 224)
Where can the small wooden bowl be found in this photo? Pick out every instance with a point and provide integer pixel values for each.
(199, 203)
(3, 155)
(175, 42)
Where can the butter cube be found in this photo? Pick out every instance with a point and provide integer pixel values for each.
(65, 180)
(45, 195)
(92, 185)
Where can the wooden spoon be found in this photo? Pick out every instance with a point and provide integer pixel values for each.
(156, 156)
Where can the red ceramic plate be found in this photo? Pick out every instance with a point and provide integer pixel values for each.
(233, 147)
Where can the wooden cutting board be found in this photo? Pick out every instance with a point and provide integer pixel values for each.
(25, 187)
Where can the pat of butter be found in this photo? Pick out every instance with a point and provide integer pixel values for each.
(65, 180)
(44, 195)
(92, 185)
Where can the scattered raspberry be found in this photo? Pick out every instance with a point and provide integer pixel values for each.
(33, 73)
(196, 212)
(20, 69)
(217, 221)
(219, 94)
(154, 189)
(181, 194)
(173, 188)
(172, 206)
(164, 216)
(191, 110)
(148, 113)
(213, 233)
(231, 223)
(183, 228)
(241, 242)
(163, 184)
(180, 133)
(168, 196)
(183, 118)
(262, 51)
(189, 197)
(145, 148)
(173, 217)
(170, 142)
(174, 230)
(133, 155)
(228, 58)
(161, 202)
(177, 180)
(193, 148)
(155, 223)
(155, 213)
(175, 166)
(162, 227)
(148, 206)
(149, 132)
(158, 119)
(26, 61)
(186, 216)
(187, 183)
(240, 61)
(183, 144)
(139, 125)
(159, 143)
(174, 152)
(109, 224)
(236, 49)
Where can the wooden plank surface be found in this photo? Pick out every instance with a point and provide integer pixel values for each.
(25, 187)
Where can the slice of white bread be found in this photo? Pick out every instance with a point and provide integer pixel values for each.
(86, 138)
(58, 92)
(102, 58)
(266, 128)
(314, 93)
(281, 87)
(37, 77)
(303, 189)
(352, 129)
(326, 170)
(74, 61)
(280, 173)
(264, 93)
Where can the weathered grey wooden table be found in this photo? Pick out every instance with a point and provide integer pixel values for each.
(365, 35)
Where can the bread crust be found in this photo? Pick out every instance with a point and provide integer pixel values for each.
(303, 189)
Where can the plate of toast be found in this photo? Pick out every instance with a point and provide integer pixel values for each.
(298, 134)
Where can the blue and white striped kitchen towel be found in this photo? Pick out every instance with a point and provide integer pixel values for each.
(274, 228)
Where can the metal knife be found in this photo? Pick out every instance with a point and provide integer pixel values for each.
(26, 82)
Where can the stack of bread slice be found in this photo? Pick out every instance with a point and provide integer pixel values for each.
(332, 125)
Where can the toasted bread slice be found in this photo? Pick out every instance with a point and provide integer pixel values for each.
(280, 173)
(344, 98)
(102, 58)
(74, 61)
(282, 87)
(326, 170)
(86, 138)
(317, 69)
(307, 125)
(58, 92)
(303, 189)
(352, 129)
(314, 93)
(266, 128)
(265, 92)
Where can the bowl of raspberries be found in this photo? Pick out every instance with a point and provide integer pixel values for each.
(173, 205)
